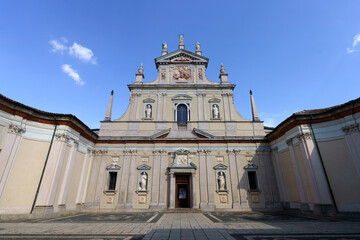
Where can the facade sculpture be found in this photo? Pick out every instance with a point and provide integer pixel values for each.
(180, 143)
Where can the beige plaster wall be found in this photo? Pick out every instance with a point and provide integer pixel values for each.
(61, 179)
(25, 176)
(289, 176)
(344, 180)
(303, 173)
(75, 178)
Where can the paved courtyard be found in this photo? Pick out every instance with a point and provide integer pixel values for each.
(216, 225)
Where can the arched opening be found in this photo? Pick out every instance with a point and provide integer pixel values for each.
(182, 114)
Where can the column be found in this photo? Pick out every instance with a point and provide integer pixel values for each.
(100, 179)
(210, 179)
(132, 174)
(202, 170)
(84, 171)
(233, 179)
(194, 190)
(88, 174)
(124, 178)
(67, 174)
(241, 182)
(264, 179)
(309, 171)
(172, 191)
(155, 179)
(297, 172)
(138, 95)
(204, 106)
(164, 106)
(280, 174)
(352, 138)
(158, 107)
(199, 106)
(131, 105)
(162, 189)
(226, 113)
(271, 176)
(316, 165)
(231, 102)
(8, 153)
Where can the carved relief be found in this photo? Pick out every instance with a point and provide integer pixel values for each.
(16, 129)
(181, 59)
(163, 74)
(181, 73)
(200, 74)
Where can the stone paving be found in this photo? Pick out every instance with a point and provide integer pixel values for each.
(244, 226)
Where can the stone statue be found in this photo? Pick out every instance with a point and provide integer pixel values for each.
(148, 111)
(197, 46)
(215, 110)
(141, 69)
(221, 180)
(164, 47)
(143, 181)
(181, 39)
(222, 69)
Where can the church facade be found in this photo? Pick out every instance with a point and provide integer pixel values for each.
(180, 144)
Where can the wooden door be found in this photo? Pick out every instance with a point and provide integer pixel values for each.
(182, 198)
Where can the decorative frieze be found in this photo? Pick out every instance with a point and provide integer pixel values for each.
(159, 152)
(351, 128)
(62, 137)
(129, 152)
(16, 129)
(99, 152)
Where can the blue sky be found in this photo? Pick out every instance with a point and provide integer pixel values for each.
(67, 56)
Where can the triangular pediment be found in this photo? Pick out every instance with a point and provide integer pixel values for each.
(181, 56)
(220, 166)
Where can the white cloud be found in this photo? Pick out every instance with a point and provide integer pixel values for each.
(72, 73)
(57, 46)
(83, 53)
(356, 41)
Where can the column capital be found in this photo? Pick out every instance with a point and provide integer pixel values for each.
(289, 142)
(62, 137)
(76, 143)
(16, 129)
(237, 151)
(304, 136)
(275, 149)
(230, 152)
(129, 151)
(351, 128)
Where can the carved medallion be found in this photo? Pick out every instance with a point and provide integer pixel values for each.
(181, 73)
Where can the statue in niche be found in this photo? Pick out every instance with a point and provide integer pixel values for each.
(143, 181)
(221, 181)
(148, 111)
(215, 110)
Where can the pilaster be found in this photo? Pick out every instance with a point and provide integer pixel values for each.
(100, 179)
(297, 172)
(84, 171)
(210, 180)
(132, 172)
(204, 106)
(234, 180)
(50, 181)
(155, 179)
(352, 138)
(124, 179)
(280, 176)
(164, 106)
(199, 106)
(172, 191)
(8, 154)
(67, 174)
(242, 187)
(226, 112)
(202, 170)
(162, 190)
(158, 107)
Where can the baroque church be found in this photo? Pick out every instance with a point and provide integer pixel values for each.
(180, 144)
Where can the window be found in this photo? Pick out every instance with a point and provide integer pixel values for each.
(252, 178)
(112, 181)
(181, 114)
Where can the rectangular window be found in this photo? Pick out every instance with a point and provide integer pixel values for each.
(252, 178)
(112, 181)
